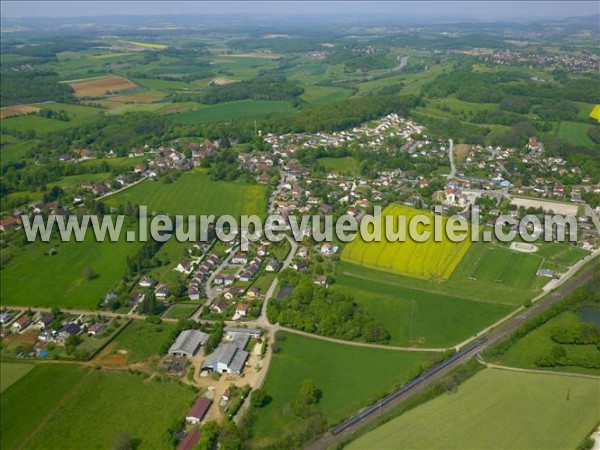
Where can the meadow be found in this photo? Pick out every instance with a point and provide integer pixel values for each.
(574, 133)
(142, 340)
(33, 398)
(35, 277)
(497, 409)
(77, 114)
(538, 342)
(180, 311)
(418, 318)
(345, 166)
(235, 110)
(429, 260)
(337, 370)
(101, 86)
(11, 372)
(195, 193)
(108, 403)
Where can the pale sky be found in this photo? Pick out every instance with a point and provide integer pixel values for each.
(487, 10)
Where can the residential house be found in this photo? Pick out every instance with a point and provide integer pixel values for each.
(162, 291)
(241, 309)
(239, 258)
(22, 322)
(219, 306)
(193, 292)
(70, 329)
(5, 318)
(97, 328)
(272, 265)
(146, 282)
(45, 321)
(185, 267)
(9, 222)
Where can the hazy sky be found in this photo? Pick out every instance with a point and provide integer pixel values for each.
(481, 9)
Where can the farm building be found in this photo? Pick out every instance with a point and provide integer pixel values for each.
(227, 358)
(198, 410)
(252, 332)
(188, 342)
(190, 440)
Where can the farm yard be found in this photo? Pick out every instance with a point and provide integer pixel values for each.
(101, 86)
(195, 193)
(497, 409)
(336, 370)
(409, 257)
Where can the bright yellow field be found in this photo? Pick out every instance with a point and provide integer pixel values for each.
(595, 114)
(147, 45)
(429, 259)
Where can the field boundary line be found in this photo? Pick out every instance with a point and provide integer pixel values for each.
(390, 283)
(362, 344)
(540, 371)
(68, 396)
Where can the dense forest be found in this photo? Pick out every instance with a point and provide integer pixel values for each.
(263, 87)
(17, 88)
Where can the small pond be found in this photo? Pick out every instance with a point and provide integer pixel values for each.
(591, 314)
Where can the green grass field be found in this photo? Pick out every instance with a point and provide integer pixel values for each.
(420, 318)
(575, 133)
(34, 278)
(108, 403)
(77, 113)
(142, 340)
(224, 112)
(344, 166)
(539, 342)
(180, 311)
(497, 410)
(428, 260)
(349, 378)
(320, 95)
(195, 193)
(34, 397)
(11, 372)
(490, 264)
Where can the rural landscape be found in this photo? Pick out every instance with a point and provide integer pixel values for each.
(487, 116)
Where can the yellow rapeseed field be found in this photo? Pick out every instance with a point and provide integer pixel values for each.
(429, 259)
(595, 114)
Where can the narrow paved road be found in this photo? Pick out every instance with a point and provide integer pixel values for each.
(451, 157)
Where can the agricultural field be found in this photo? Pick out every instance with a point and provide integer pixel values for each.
(539, 342)
(235, 110)
(320, 95)
(77, 114)
(410, 257)
(337, 370)
(35, 398)
(575, 133)
(11, 372)
(420, 318)
(140, 340)
(52, 273)
(99, 87)
(20, 110)
(595, 114)
(195, 193)
(497, 409)
(118, 397)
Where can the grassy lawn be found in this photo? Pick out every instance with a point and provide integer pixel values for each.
(196, 193)
(223, 112)
(497, 410)
(180, 311)
(114, 402)
(345, 166)
(11, 372)
(348, 377)
(421, 319)
(32, 398)
(539, 342)
(142, 340)
(34, 278)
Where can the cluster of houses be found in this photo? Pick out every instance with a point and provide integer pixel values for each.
(580, 62)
